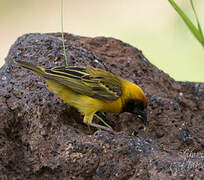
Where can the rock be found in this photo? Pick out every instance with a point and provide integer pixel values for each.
(41, 137)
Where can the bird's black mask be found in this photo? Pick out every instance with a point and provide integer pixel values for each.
(136, 107)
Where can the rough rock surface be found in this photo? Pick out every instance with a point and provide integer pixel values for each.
(41, 137)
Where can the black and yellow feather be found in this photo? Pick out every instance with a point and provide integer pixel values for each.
(88, 81)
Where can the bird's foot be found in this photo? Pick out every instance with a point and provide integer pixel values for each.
(103, 128)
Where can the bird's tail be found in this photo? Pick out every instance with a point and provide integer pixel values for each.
(37, 69)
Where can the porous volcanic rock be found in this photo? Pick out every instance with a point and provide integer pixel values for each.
(41, 137)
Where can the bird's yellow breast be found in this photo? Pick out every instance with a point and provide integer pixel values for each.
(85, 104)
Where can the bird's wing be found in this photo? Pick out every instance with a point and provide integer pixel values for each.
(88, 81)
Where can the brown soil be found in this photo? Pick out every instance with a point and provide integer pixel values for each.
(42, 137)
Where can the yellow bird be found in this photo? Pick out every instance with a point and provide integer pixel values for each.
(91, 90)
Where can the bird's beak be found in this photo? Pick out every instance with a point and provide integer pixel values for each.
(143, 116)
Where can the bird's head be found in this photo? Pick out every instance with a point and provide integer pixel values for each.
(137, 107)
(135, 101)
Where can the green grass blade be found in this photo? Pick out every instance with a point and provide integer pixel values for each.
(197, 20)
(62, 32)
(106, 124)
(187, 21)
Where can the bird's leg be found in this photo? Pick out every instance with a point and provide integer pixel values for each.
(88, 120)
(102, 127)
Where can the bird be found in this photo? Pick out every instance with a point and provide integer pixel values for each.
(92, 90)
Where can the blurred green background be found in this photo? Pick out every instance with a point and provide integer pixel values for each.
(152, 26)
